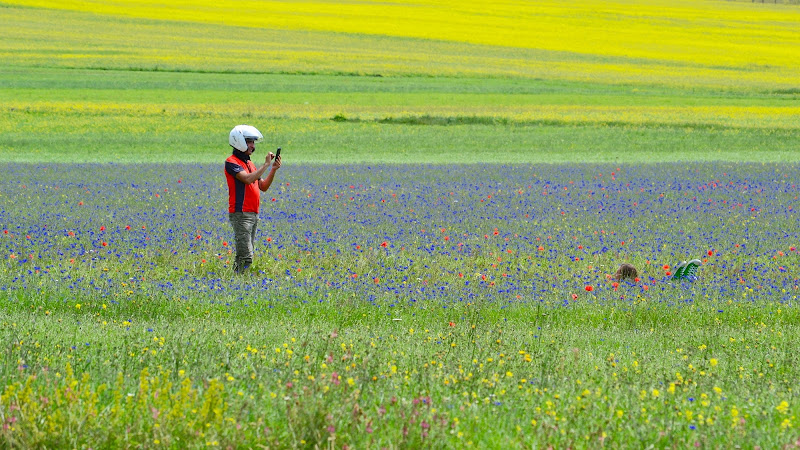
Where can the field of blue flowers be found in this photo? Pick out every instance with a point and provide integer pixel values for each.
(398, 304)
(398, 235)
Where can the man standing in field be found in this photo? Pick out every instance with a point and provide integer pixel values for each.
(244, 183)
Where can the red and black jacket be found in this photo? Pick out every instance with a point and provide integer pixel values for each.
(241, 197)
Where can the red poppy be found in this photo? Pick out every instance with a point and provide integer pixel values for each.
(589, 288)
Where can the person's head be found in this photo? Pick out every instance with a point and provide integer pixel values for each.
(626, 272)
(244, 138)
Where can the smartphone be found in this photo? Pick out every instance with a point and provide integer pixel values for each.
(278, 153)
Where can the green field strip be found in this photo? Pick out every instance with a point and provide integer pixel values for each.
(19, 77)
(368, 99)
(85, 138)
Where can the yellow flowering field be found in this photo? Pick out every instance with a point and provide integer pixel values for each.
(677, 43)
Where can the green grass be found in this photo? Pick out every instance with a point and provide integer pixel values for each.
(324, 142)
(595, 374)
(122, 116)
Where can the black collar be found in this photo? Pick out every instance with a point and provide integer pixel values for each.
(241, 155)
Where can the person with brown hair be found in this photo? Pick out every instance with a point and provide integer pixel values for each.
(626, 272)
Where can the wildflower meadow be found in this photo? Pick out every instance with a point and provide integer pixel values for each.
(434, 260)
(391, 310)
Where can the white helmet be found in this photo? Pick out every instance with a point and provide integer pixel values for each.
(241, 132)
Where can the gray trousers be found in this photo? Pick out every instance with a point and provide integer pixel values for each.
(244, 230)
